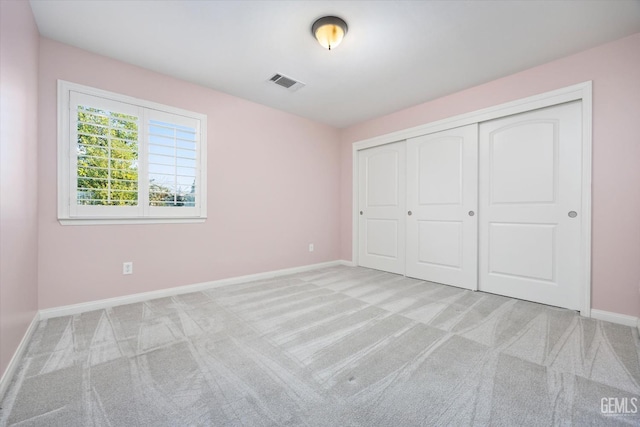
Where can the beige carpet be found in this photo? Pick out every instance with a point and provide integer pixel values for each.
(334, 347)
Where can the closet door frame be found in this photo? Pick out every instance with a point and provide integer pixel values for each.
(579, 92)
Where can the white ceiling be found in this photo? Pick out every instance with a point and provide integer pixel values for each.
(395, 55)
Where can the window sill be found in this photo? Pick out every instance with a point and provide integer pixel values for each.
(123, 221)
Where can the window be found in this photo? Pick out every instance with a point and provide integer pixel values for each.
(126, 160)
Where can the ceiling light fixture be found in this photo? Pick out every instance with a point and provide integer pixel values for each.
(329, 31)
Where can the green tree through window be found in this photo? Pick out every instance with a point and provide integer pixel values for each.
(107, 152)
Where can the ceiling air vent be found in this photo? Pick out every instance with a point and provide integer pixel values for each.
(286, 82)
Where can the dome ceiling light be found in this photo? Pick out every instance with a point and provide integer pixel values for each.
(329, 31)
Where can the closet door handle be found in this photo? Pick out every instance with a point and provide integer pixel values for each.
(360, 212)
(471, 213)
(409, 213)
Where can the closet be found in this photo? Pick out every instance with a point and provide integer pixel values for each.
(492, 206)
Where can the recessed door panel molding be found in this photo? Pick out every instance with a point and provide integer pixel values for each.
(382, 179)
(440, 243)
(442, 197)
(381, 207)
(440, 172)
(378, 234)
(523, 163)
(523, 251)
(531, 174)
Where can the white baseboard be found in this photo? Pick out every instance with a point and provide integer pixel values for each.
(347, 263)
(621, 319)
(68, 310)
(8, 374)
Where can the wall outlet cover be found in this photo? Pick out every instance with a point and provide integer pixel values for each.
(127, 268)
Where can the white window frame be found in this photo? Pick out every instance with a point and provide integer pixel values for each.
(69, 213)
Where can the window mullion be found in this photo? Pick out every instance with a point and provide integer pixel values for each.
(175, 166)
(143, 157)
(109, 152)
(72, 150)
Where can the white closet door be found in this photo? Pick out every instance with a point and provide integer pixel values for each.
(530, 186)
(381, 192)
(442, 196)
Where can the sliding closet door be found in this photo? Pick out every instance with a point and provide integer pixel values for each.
(442, 197)
(530, 218)
(381, 205)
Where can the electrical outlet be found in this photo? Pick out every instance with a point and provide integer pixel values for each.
(310, 247)
(127, 267)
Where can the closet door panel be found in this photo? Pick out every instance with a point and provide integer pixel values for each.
(530, 219)
(441, 203)
(381, 207)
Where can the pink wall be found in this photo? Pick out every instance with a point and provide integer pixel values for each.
(272, 184)
(18, 191)
(615, 71)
